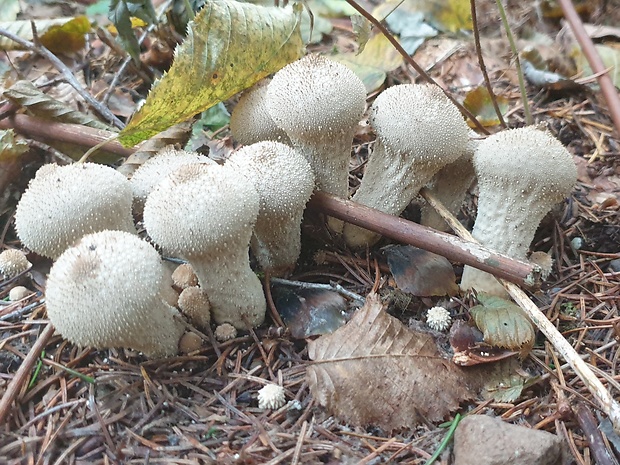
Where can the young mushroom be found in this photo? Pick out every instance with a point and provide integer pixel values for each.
(284, 181)
(250, 121)
(157, 168)
(106, 291)
(64, 203)
(13, 262)
(522, 173)
(319, 103)
(194, 304)
(419, 131)
(205, 214)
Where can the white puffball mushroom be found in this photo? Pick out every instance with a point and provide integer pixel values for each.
(225, 332)
(183, 276)
(250, 121)
(205, 214)
(522, 173)
(106, 291)
(194, 304)
(419, 131)
(284, 182)
(438, 318)
(13, 262)
(157, 168)
(319, 103)
(64, 203)
(19, 293)
(271, 396)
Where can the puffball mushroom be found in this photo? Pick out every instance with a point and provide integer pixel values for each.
(106, 291)
(319, 103)
(13, 262)
(522, 173)
(64, 203)
(284, 181)
(194, 304)
(205, 214)
(419, 131)
(250, 121)
(157, 168)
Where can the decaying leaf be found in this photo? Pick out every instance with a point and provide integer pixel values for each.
(479, 102)
(469, 347)
(361, 30)
(445, 15)
(25, 94)
(374, 370)
(411, 28)
(10, 147)
(609, 53)
(229, 47)
(309, 312)
(503, 324)
(419, 272)
(60, 35)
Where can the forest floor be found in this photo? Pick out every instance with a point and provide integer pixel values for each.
(80, 405)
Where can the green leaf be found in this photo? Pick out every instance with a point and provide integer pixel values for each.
(120, 14)
(9, 10)
(361, 29)
(229, 47)
(479, 102)
(445, 15)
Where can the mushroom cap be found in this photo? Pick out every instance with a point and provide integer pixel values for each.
(19, 293)
(250, 121)
(225, 332)
(194, 304)
(157, 168)
(315, 94)
(284, 182)
(183, 276)
(64, 203)
(13, 262)
(215, 207)
(530, 160)
(419, 120)
(106, 292)
(271, 396)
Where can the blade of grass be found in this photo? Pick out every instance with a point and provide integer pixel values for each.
(37, 370)
(446, 439)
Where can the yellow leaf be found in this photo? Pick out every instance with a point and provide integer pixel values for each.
(67, 38)
(135, 22)
(229, 47)
(479, 102)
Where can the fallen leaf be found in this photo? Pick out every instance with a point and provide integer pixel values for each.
(503, 324)
(479, 102)
(60, 35)
(376, 371)
(9, 10)
(361, 28)
(609, 53)
(411, 28)
(419, 272)
(10, 147)
(445, 15)
(229, 47)
(309, 312)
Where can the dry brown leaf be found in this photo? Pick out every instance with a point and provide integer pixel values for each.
(374, 370)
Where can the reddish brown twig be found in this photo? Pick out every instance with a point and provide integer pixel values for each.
(23, 371)
(437, 242)
(588, 424)
(610, 94)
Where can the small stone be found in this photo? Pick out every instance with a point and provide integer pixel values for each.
(18, 293)
(480, 439)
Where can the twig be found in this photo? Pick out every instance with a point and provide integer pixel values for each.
(21, 375)
(64, 132)
(328, 287)
(413, 63)
(606, 402)
(68, 75)
(483, 68)
(470, 253)
(607, 86)
(588, 424)
(515, 52)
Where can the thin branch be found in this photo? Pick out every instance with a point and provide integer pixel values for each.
(483, 68)
(412, 62)
(67, 74)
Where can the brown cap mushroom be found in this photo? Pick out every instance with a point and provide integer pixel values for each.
(106, 291)
(13, 262)
(284, 181)
(522, 173)
(64, 203)
(319, 103)
(194, 304)
(183, 276)
(419, 131)
(157, 168)
(250, 121)
(205, 214)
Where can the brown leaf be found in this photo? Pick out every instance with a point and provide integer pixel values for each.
(419, 272)
(374, 370)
